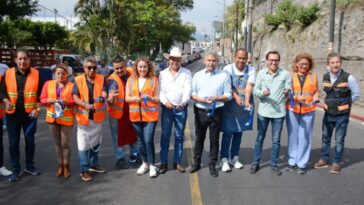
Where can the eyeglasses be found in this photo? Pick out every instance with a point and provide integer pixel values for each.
(274, 60)
(91, 68)
(304, 64)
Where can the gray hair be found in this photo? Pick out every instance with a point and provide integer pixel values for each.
(213, 54)
(333, 55)
(90, 59)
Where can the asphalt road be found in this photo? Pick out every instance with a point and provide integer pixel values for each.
(236, 187)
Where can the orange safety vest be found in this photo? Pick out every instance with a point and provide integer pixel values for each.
(139, 111)
(30, 89)
(2, 108)
(99, 108)
(308, 90)
(116, 109)
(68, 114)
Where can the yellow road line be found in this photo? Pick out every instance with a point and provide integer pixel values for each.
(194, 183)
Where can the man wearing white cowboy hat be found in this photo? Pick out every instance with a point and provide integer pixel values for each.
(175, 92)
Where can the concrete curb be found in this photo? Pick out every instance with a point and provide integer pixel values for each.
(354, 116)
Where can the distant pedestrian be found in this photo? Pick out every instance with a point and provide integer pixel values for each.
(142, 94)
(301, 112)
(175, 83)
(103, 69)
(211, 88)
(237, 113)
(20, 91)
(272, 86)
(341, 91)
(89, 93)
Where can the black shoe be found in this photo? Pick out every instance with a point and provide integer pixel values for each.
(121, 164)
(276, 170)
(163, 168)
(254, 168)
(213, 171)
(194, 168)
(301, 171)
(291, 168)
(179, 167)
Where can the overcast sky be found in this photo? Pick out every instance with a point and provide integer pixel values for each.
(203, 13)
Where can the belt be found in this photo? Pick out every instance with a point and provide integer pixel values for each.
(208, 110)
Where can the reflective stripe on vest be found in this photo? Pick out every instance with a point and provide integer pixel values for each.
(66, 95)
(139, 111)
(30, 89)
(307, 91)
(99, 107)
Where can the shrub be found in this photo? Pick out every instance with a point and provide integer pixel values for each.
(307, 15)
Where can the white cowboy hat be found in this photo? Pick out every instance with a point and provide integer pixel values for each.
(175, 52)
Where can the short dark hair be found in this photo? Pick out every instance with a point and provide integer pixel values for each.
(118, 59)
(21, 50)
(274, 53)
(333, 55)
(241, 49)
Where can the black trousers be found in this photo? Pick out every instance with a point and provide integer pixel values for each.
(202, 122)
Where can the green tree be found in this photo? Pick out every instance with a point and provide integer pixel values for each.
(14, 9)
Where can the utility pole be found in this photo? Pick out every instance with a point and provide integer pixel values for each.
(246, 24)
(332, 27)
(237, 26)
(250, 28)
(55, 15)
(223, 35)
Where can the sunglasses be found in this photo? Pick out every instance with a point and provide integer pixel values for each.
(91, 68)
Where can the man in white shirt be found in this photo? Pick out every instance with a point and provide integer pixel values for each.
(175, 92)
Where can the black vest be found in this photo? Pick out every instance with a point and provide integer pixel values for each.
(338, 95)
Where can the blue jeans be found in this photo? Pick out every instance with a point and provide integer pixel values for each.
(277, 124)
(233, 138)
(89, 158)
(145, 133)
(340, 124)
(119, 151)
(29, 128)
(179, 118)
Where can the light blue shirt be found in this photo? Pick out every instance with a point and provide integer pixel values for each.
(354, 87)
(3, 68)
(273, 105)
(211, 84)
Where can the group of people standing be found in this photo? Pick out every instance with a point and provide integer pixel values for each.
(223, 102)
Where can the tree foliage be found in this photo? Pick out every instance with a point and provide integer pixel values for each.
(108, 27)
(23, 32)
(15, 9)
(288, 13)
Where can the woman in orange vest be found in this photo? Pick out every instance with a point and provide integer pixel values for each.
(301, 112)
(57, 96)
(142, 94)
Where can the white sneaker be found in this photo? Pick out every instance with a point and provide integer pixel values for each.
(5, 172)
(144, 168)
(225, 167)
(153, 171)
(235, 162)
